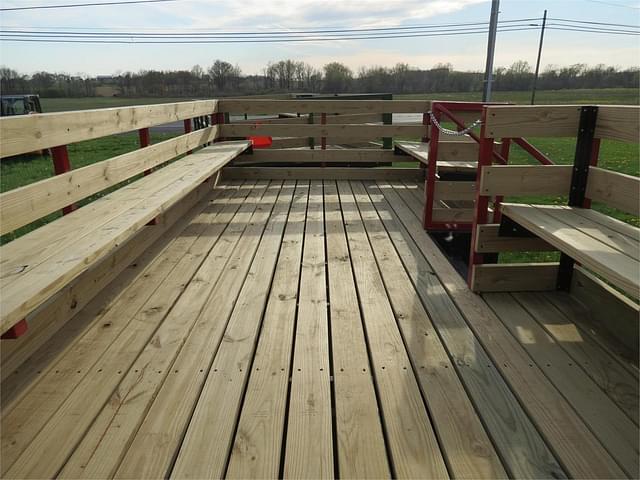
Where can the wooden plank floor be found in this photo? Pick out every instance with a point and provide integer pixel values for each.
(311, 329)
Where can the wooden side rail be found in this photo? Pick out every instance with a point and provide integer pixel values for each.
(254, 107)
(614, 122)
(26, 133)
(348, 131)
(24, 205)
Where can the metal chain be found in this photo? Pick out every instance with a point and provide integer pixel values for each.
(455, 133)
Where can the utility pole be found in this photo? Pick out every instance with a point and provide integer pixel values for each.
(491, 48)
(535, 77)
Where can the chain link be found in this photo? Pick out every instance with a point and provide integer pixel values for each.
(455, 133)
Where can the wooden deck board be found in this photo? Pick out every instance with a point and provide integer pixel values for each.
(314, 330)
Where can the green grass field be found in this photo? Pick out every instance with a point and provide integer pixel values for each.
(616, 156)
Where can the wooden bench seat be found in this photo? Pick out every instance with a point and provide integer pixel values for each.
(37, 266)
(607, 246)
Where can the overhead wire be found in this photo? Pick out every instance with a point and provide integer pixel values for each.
(75, 5)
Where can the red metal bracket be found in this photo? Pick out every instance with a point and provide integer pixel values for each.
(16, 331)
(61, 164)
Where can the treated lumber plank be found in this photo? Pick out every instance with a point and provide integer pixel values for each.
(503, 418)
(614, 122)
(155, 444)
(615, 189)
(26, 133)
(219, 402)
(102, 375)
(452, 215)
(22, 296)
(595, 227)
(26, 204)
(489, 240)
(360, 441)
(465, 445)
(454, 190)
(320, 173)
(309, 442)
(619, 269)
(104, 444)
(514, 277)
(621, 330)
(579, 452)
(59, 364)
(316, 156)
(253, 106)
(414, 452)
(605, 370)
(345, 131)
(520, 180)
(610, 223)
(53, 315)
(257, 448)
(606, 420)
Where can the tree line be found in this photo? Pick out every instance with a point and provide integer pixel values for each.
(223, 79)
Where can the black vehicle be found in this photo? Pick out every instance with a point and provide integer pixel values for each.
(19, 105)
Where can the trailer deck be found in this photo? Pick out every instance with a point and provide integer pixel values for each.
(313, 329)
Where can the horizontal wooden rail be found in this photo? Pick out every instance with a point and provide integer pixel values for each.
(324, 173)
(454, 190)
(312, 156)
(330, 131)
(26, 204)
(26, 133)
(614, 122)
(304, 120)
(615, 189)
(514, 277)
(489, 240)
(322, 106)
(525, 180)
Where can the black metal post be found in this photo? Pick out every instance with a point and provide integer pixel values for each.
(579, 177)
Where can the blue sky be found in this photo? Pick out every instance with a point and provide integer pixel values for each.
(464, 52)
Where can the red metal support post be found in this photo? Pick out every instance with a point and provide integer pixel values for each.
(481, 214)
(430, 181)
(145, 141)
(187, 129)
(61, 164)
(16, 331)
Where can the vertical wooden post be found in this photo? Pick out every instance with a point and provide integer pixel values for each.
(312, 140)
(220, 120)
(61, 164)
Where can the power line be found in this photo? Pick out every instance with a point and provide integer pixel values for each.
(282, 32)
(62, 39)
(595, 23)
(236, 37)
(74, 5)
(566, 29)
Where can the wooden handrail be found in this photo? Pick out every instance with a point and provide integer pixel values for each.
(26, 133)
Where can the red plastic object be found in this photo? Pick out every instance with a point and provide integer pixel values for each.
(16, 331)
(261, 142)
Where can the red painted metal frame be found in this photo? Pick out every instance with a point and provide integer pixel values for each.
(439, 109)
(16, 331)
(481, 212)
(61, 164)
